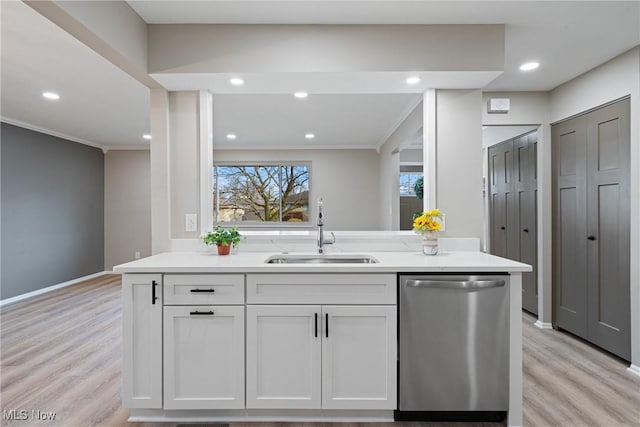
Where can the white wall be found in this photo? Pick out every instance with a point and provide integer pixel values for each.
(459, 161)
(347, 180)
(184, 160)
(127, 206)
(390, 169)
(612, 80)
(324, 48)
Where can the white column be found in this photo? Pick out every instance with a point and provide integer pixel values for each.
(429, 144)
(159, 117)
(544, 224)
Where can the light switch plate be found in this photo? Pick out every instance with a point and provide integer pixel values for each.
(191, 222)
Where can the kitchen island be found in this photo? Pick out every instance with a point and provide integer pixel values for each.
(212, 338)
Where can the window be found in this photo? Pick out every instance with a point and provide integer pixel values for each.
(261, 193)
(408, 181)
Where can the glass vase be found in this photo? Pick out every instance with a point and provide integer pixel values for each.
(430, 243)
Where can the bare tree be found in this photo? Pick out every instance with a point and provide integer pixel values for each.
(271, 193)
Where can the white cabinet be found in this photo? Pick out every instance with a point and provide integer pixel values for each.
(312, 356)
(142, 340)
(359, 357)
(283, 357)
(204, 357)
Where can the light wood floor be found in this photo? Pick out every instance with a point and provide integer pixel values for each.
(61, 352)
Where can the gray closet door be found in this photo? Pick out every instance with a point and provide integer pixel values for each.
(608, 216)
(512, 208)
(591, 219)
(501, 199)
(569, 155)
(524, 149)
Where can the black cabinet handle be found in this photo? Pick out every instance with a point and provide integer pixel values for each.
(591, 238)
(526, 230)
(193, 291)
(153, 291)
(502, 228)
(326, 317)
(201, 313)
(316, 324)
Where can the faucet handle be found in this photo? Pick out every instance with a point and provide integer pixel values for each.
(330, 241)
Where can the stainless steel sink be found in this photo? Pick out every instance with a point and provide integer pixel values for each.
(321, 259)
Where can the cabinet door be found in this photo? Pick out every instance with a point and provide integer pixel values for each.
(283, 357)
(359, 357)
(204, 357)
(142, 340)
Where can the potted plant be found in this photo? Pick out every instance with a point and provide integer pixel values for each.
(223, 239)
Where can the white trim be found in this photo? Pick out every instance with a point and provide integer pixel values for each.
(205, 107)
(634, 369)
(300, 147)
(249, 415)
(52, 132)
(543, 325)
(51, 288)
(429, 143)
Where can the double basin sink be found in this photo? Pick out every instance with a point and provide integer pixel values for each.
(321, 259)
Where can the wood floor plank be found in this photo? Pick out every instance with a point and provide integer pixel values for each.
(61, 352)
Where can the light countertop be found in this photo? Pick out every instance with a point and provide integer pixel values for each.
(254, 262)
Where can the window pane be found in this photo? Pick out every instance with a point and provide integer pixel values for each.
(295, 193)
(407, 182)
(261, 193)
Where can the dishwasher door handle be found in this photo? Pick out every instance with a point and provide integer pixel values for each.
(456, 284)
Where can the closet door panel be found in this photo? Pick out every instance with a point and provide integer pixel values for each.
(609, 220)
(570, 225)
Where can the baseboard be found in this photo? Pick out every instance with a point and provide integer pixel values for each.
(51, 288)
(634, 369)
(543, 325)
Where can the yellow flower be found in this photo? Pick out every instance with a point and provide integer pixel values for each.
(428, 221)
(433, 225)
(419, 222)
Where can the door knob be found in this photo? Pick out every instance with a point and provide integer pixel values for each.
(591, 238)
(526, 230)
(502, 228)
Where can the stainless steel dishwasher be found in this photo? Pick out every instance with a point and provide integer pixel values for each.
(453, 347)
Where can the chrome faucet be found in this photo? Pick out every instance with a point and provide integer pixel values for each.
(321, 239)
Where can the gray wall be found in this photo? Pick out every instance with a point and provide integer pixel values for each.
(52, 226)
(127, 206)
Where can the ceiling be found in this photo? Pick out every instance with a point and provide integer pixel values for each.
(103, 106)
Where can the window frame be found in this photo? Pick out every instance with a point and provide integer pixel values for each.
(262, 224)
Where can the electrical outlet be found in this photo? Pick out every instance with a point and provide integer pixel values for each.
(137, 255)
(191, 222)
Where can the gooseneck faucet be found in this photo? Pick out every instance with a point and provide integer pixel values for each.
(321, 240)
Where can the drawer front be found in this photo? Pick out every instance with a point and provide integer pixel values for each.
(321, 288)
(203, 289)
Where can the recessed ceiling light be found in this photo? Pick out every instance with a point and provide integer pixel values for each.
(309, 135)
(146, 136)
(413, 80)
(528, 66)
(51, 95)
(301, 95)
(236, 81)
(231, 136)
